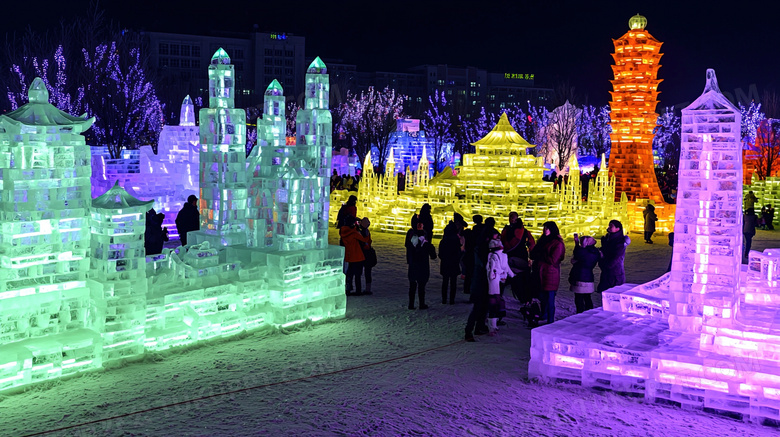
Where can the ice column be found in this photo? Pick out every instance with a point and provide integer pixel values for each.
(265, 160)
(118, 273)
(223, 175)
(44, 244)
(708, 228)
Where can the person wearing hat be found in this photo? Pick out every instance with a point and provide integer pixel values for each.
(188, 218)
(497, 272)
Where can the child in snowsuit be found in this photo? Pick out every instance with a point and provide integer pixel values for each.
(497, 271)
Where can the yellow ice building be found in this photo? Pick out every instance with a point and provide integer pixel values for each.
(498, 178)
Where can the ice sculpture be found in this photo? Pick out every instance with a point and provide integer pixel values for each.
(45, 244)
(168, 176)
(705, 335)
(633, 118)
(767, 192)
(500, 177)
(223, 175)
(75, 288)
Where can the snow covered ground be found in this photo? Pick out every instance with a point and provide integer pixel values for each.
(385, 370)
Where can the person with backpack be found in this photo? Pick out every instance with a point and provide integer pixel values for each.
(188, 219)
(449, 267)
(368, 252)
(497, 272)
(353, 254)
(418, 250)
(581, 278)
(547, 255)
(613, 250)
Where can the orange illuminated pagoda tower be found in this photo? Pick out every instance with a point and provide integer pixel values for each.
(633, 117)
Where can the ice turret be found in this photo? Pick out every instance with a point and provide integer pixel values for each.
(187, 114)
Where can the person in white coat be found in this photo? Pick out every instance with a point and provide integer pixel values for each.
(498, 271)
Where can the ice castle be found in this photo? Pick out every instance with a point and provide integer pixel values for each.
(76, 290)
(705, 335)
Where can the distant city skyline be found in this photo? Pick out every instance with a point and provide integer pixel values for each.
(558, 41)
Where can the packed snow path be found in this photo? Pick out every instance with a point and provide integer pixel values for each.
(458, 389)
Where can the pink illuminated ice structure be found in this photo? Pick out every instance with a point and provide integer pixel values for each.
(707, 334)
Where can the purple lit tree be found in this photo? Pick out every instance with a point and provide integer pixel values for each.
(118, 94)
(437, 124)
(593, 129)
(535, 131)
(667, 139)
(751, 118)
(472, 130)
(290, 114)
(369, 119)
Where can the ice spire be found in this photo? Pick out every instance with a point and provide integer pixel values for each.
(187, 114)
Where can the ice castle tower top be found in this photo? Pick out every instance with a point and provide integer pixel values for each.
(39, 112)
(317, 66)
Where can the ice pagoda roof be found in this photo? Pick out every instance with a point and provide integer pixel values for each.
(503, 134)
(711, 98)
(118, 198)
(274, 89)
(317, 66)
(39, 112)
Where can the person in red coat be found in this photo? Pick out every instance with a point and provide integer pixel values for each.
(547, 256)
(353, 253)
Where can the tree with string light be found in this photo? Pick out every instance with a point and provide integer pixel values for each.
(437, 124)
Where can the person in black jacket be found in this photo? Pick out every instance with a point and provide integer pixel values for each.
(188, 219)
(154, 235)
(449, 267)
(479, 286)
(426, 219)
(581, 278)
(471, 236)
(749, 223)
(418, 249)
(613, 249)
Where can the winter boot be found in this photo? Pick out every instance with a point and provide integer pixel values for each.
(421, 293)
(368, 289)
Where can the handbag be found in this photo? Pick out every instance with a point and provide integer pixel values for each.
(370, 255)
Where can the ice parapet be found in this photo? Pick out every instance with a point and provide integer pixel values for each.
(705, 335)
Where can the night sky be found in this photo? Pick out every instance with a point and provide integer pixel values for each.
(556, 40)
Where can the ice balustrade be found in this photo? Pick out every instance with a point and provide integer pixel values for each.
(705, 335)
(76, 290)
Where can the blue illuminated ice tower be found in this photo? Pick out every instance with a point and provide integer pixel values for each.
(223, 175)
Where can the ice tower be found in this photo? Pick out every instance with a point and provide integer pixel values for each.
(47, 327)
(633, 118)
(264, 162)
(118, 271)
(314, 128)
(708, 229)
(223, 175)
(705, 335)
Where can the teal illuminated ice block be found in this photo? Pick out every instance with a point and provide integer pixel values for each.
(223, 175)
(118, 271)
(47, 326)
